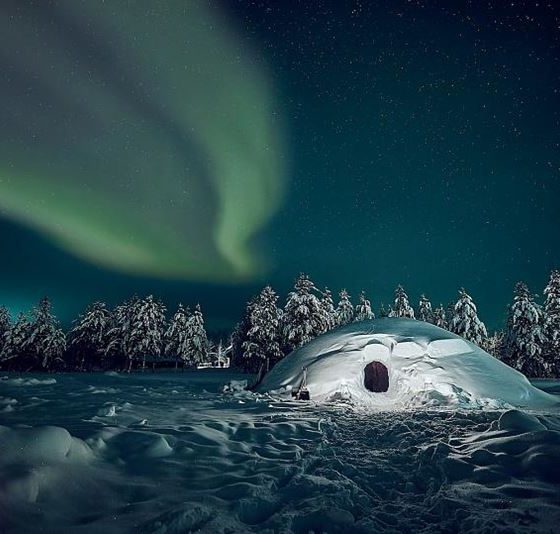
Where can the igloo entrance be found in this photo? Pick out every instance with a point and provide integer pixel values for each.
(376, 377)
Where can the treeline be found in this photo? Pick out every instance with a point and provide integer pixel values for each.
(133, 334)
(530, 341)
(138, 332)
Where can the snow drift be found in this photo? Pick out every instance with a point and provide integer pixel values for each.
(396, 363)
(166, 453)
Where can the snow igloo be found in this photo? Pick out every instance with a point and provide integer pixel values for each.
(396, 363)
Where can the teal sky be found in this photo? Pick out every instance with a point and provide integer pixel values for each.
(197, 150)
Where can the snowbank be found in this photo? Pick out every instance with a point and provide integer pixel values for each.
(24, 381)
(426, 365)
(199, 460)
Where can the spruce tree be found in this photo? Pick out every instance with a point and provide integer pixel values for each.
(327, 305)
(197, 339)
(118, 338)
(494, 344)
(147, 324)
(176, 339)
(88, 336)
(303, 318)
(425, 311)
(450, 313)
(384, 312)
(525, 338)
(344, 312)
(14, 349)
(46, 341)
(465, 321)
(401, 306)
(440, 317)
(5, 324)
(363, 309)
(551, 323)
(262, 347)
(239, 336)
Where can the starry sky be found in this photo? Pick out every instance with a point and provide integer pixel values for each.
(199, 149)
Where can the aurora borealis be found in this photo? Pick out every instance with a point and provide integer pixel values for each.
(198, 149)
(147, 151)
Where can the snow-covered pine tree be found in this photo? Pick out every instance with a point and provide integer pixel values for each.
(328, 309)
(176, 339)
(262, 347)
(118, 338)
(383, 311)
(14, 349)
(494, 344)
(147, 325)
(525, 338)
(401, 306)
(425, 311)
(88, 336)
(363, 309)
(239, 336)
(303, 318)
(46, 341)
(465, 321)
(551, 326)
(344, 312)
(197, 339)
(440, 317)
(449, 314)
(5, 324)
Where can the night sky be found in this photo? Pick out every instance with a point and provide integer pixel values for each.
(197, 150)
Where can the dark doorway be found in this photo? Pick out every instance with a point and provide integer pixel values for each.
(376, 377)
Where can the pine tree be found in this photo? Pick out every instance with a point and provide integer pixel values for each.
(176, 337)
(450, 313)
(5, 324)
(525, 338)
(46, 341)
(197, 339)
(344, 313)
(384, 312)
(494, 344)
(118, 338)
(262, 347)
(327, 305)
(363, 309)
(440, 317)
(147, 325)
(14, 349)
(465, 321)
(401, 306)
(551, 323)
(425, 311)
(303, 318)
(239, 336)
(88, 336)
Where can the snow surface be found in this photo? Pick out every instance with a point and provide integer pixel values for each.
(427, 366)
(170, 453)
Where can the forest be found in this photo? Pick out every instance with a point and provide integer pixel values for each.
(138, 334)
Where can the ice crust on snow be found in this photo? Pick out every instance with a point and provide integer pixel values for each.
(426, 365)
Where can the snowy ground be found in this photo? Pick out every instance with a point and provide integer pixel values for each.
(170, 453)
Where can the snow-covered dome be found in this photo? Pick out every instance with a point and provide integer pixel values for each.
(395, 363)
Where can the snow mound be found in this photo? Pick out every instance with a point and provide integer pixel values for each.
(35, 461)
(21, 381)
(396, 363)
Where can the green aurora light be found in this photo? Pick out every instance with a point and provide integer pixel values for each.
(141, 150)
